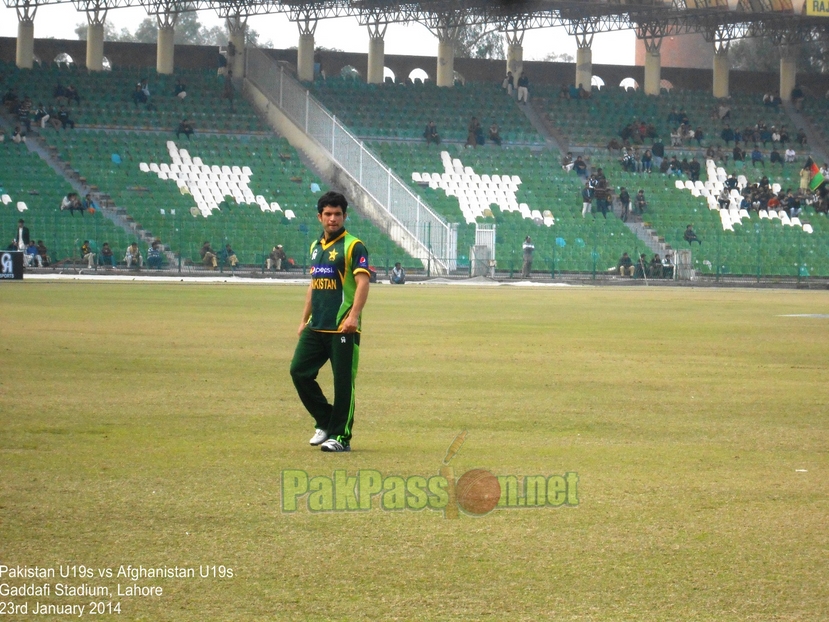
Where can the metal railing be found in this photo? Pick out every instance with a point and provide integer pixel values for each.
(436, 239)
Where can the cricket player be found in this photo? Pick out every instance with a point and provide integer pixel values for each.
(330, 326)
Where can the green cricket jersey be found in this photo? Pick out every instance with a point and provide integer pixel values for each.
(333, 266)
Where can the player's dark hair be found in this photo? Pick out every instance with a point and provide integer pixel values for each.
(334, 199)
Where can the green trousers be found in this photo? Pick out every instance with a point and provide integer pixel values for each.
(312, 352)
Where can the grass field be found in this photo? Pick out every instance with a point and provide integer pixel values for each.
(149, 424)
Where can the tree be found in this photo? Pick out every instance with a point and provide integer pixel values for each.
(761, 54)
(553, 57)
(110, 33)
(478, 42)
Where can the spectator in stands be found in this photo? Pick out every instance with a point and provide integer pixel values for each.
(668, 266)
(674, 167)
(580, 166)
(431, 133)
(21, 237)
(583, 92)
(45, 260)
(655, 267)
(527, 250)
(18, 136)
(65, 121)
(208, 256)
(89, 204)
(790, 154)
(180, 89)
(42, 115)
(658, 151)
(523, 88)
(586, 199)
(699, 135)
(801, 138)
(473, 130)
(133, 256)
(229, 257)
(154, 255)
(641, 205)
(72, 203)
(138, 96)
(641, 268)
(694, 169)
(72, 94)
(690, 236)
(738, 154)
(806, 175)
(145, 89)
(185, 127)
(495, 134)
(797, 98)
(567, 162)
(624, 200)
(727, 134)
(724, 198)
(731, 182)
(775, 157)
(277, 259)
(87, 254)
(647, 160)
(398, 275)
(676, 137)
(824, 170)
(31, 256)
(724, 111)
(757, 156)
(10, 100)
(24, 108)
(601, 194)
(625, 265)
(107, 257)
(673, 118)
(221, 63)
(509, 83)
(227, 92)
(59, 93)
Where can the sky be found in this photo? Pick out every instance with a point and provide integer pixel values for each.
(59, 20)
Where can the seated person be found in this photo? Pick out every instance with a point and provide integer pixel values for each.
(641, 204)
(625, 265)
(655, 268)
(87, 254)
(494, 134)
(107, 258)
(567, 162)
(63, 117)
(208, 256)
(580, 166)
(181, 89)
(44, 253)
(18, 136)
(276, 259)
(229, 257)
(641, 267)
(185, 127)
(398, 275)
(775, 157)
(133, 256)
(31, 256)
(72, 202)
(154, 256)
(71, 93)
(138, 95)
(431, 133)
(42, 115)
(690, 236)
(668, 266)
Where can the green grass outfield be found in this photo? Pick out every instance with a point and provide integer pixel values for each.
(149, 424)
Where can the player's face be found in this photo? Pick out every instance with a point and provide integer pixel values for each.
(331, 218)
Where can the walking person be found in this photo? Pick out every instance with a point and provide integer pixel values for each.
(330, 326)
(528, 249)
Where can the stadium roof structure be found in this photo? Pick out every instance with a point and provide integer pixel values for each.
(717, 20)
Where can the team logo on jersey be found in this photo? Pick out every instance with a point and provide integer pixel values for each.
(314, 254)
(332, 255)
(362, 262)
(322, 270)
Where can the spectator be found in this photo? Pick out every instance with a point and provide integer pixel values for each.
(738, 154)
(473, 130)
(641, 205)
(509, 83)
(655, 267)
(523, 88)
(71, 94)
(18, 137)
(276, 259)
(42, 115)
(583, 92)
(154, 255)
(72, 203)
(694, 169)
(180, 89)
(698, 136)
(647, 160)
(21, 237)
(133, 256)
(806, 175)
(668, 266)
(727, 134)
(690, 236)
(229, 257)
(87, 254)
(138, 96)
(527, 250)
(208, 256)
(658, 151)
(227, 93)
(431, 133)
(398, 275)
(723, 111)
(624, 199)
(587, 199)
(567, 162)
(580, 166)
(775, 157)
(601, 193)
(59, 93)
(31, 255)
(790, 154)
(641, 270)
(495, 134)
(185, 127)
(107, 258)
(757, 156)
(24, 109)
(45, 260)
(63, 117)
(797, 98)
(625, 265)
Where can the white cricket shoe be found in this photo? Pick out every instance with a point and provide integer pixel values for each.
(334, 445)
(320, 436)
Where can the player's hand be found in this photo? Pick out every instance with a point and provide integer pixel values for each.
(349, 325)
(301, 328)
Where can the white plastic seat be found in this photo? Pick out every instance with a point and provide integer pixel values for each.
(154, 167)
(679, 185)
(144, 167)
(197, 161)
(21, 206)
(275, 207)
(807, 228)
(416, 177)
(246, 171)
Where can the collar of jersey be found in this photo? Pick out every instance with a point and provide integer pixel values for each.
(325, 244)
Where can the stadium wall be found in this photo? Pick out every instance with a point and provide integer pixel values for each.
(142, 55)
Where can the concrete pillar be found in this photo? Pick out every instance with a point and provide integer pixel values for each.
(376, 60)
(721, 75)
(584, 68)
(165, 50)
(788, 70)
(25, 43)
(95, 47)
(305, 58)
(515, 60)
(446, 63)
(653, 72)
(237, 37)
